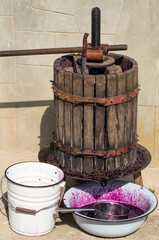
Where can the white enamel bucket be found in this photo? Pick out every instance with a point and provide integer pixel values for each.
(34, 190)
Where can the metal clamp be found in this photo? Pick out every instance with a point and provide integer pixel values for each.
(95, 101)
(94, 153)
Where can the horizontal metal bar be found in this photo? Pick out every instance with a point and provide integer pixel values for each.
(26, 52)
(119, 47)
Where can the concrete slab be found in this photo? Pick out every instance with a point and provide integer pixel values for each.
(66, 227)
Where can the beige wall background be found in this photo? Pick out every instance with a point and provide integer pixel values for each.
(26, 99)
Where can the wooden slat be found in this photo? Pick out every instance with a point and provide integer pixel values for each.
(134, 110)
(69, 69)
(68, 119)
(60, 85)
(130, 87)
(135, 104)
(77, 163)
(121, 111)
(129, 115)
(100, 121)
(111, 120)
(89, 82)
(78, 67)
(56, 108)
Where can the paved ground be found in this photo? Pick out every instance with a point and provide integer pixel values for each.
(66, 228)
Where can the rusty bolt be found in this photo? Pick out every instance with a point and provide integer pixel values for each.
(121, 152)
(66, 98)
(111, 101)
(58, 94)
(130, 97)
(122, 99)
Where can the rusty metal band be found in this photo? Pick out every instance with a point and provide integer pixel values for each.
(95, 101)
(97, 153)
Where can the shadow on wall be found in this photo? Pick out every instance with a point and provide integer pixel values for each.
(47, 126)
(47, 123)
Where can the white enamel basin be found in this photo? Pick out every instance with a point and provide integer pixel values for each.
(118, 191)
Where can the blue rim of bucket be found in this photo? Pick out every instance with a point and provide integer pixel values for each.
(23, 185)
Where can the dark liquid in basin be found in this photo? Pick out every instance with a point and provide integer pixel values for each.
(134, 212)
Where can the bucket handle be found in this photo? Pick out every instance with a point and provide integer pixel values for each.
(31, 211)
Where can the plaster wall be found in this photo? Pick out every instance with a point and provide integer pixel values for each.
(26, 106)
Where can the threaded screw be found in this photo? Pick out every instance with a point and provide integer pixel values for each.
(95, 28)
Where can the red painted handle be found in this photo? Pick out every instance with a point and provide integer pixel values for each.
(84, 44)
(25, 210)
